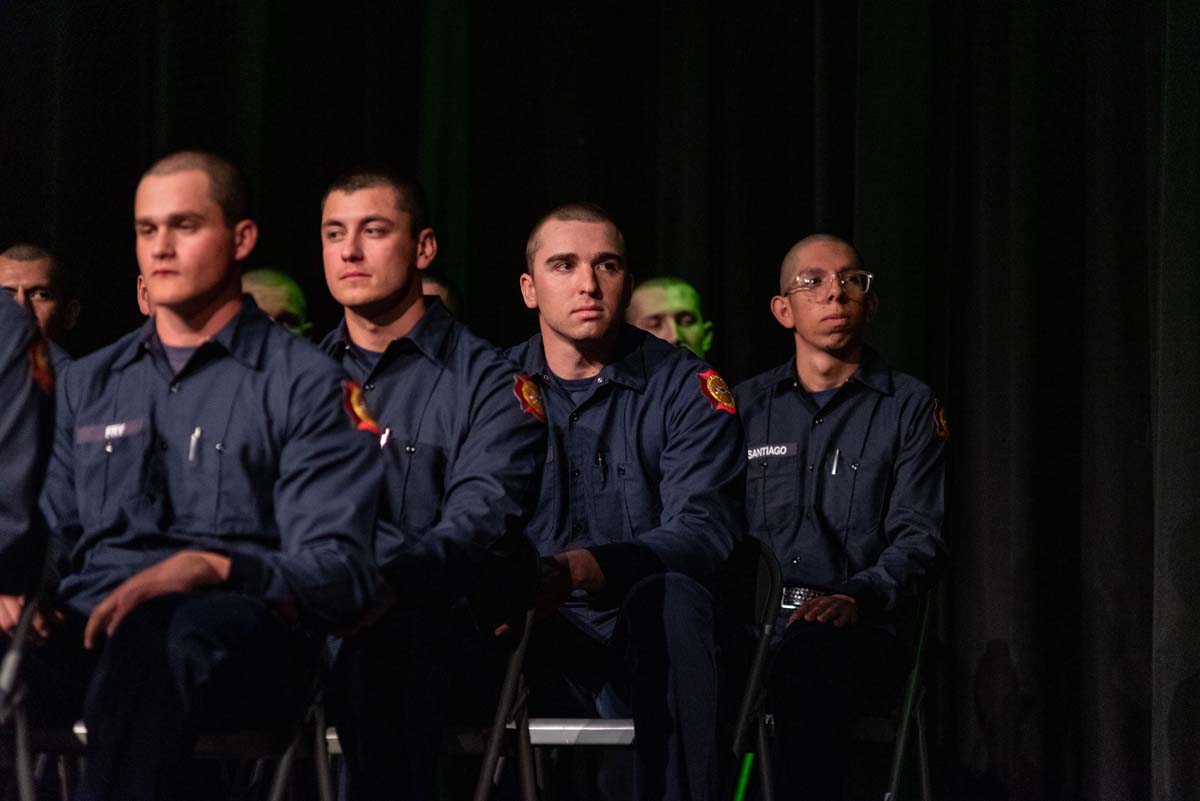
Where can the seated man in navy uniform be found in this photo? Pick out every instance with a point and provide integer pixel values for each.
(844, 480)
(27, 387)
(641, 500)
(210, 501)
(36, 279)
(462, 451)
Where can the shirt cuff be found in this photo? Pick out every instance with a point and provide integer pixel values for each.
(870, 603)
(247, 574)
(623, 564)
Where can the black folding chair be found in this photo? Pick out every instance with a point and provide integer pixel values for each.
(505, 597)
(912, 712)
(283, 745)
(12, 709)
(752, 586)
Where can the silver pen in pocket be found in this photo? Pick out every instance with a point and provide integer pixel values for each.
(194, 445)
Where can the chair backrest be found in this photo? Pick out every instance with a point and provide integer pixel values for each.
(751, 582)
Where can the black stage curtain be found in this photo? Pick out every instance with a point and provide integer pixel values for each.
(1023, 178)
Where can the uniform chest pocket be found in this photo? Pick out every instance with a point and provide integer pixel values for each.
(773, 494)
(856, 495)
(233, 481)
(639, 494)
(414, 482)
(110, 469)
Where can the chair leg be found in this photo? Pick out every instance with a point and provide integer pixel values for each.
(68, 775)
(527, 774)
(24, 758)
(504, 713)
(923, 755)
(321, 754)
(764, 762)
(283, 771)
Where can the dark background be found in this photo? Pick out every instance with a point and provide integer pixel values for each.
(1024, 179)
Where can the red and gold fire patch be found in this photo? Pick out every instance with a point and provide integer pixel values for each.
(529, 396)
(717, 391)
(940, 427)
(356, 407)
(40, 366)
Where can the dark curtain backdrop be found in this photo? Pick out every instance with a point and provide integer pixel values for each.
(1024, 179)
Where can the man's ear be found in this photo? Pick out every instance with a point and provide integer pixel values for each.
(782, 311)
(528, 291)
(427, 248)
(245, 236)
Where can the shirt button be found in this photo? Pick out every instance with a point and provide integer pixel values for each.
(175, 387)
(220, 446)
(599, 380)
(620, 470)
(162, 446)
(574, 417)
(575, 472)
(818, 420)
(576, 527)
(369, 387)
(810, 467)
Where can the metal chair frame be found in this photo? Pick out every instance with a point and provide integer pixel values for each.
(911, 716)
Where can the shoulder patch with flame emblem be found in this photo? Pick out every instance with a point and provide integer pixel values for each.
(40, 366)
(940, 427)
(717, 391)
(529, 396)
(356, 407)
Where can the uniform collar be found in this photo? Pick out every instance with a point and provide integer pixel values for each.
(627, 366)
(431, 335)
(244, 337)
(873, 373)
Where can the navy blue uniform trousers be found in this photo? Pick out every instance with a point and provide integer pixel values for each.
(177, 666)
(822, 678)
(398, 684)
(659, 667)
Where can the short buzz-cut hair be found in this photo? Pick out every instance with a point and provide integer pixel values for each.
(226, 186)
(784, 265)
(575, 211)
(61, 278)
(410, 195)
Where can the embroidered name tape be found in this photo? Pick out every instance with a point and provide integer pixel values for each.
(767, 451)
(104, 432)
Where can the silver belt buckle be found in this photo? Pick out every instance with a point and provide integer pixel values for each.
(794, 597)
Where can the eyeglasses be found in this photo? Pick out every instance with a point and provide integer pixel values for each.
(855, 283)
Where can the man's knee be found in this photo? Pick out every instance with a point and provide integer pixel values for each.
(674, 598)
(669, 611)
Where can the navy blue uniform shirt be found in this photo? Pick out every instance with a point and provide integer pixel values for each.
(248, 451)
(849, 494)
(462, 454)
(646, 470)
(26, 398)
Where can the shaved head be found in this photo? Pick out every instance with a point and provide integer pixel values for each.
(787, 269)
(578, 211)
